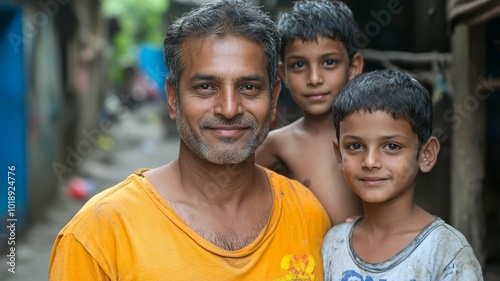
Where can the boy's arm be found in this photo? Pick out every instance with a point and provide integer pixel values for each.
(267, 155)
(347, 208)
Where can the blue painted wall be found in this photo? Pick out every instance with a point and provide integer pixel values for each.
(12, 120)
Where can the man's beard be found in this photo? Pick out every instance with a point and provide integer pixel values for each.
(224, 152)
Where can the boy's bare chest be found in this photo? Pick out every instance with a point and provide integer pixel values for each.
(311, 158)
(311, 147)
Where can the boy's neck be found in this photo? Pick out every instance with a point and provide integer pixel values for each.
(388, 220)
(318, 121)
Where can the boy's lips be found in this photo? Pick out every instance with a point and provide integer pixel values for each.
(316, 96)
(372, 181)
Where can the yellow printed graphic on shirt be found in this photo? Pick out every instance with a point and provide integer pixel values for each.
(298, 267)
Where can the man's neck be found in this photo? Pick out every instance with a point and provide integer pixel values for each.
(222, 185)
(228, 205)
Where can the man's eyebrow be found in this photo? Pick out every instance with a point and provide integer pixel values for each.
(202, 76)
(255, 77)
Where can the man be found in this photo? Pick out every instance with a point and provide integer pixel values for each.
(211, 214)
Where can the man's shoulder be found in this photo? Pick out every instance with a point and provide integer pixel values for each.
(107, 203)
(120, 192)
(277, 180)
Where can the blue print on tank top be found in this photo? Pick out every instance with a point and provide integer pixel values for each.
(351, 275)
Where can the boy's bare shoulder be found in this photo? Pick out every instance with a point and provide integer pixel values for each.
(284, 135)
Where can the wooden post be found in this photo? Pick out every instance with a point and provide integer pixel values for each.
(469, 134)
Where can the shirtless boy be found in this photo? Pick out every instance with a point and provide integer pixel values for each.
(318, 57)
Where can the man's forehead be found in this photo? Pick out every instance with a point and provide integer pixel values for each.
(195, 44)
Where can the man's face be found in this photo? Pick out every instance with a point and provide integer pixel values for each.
(223, 109)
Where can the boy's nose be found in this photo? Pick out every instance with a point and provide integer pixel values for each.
(371, 159)
(315, 77)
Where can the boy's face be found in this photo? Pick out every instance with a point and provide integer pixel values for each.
(378, 155)
(315, 72)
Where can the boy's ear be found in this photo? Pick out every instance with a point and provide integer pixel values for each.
(356, 66)
(171, 99)
(282, 74)
(428, 154)
(336, 148)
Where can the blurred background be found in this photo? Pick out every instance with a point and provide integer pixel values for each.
(82, 105)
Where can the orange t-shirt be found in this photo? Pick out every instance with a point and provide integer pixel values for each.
(128, 232)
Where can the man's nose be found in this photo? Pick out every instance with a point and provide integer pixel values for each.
(229, 103)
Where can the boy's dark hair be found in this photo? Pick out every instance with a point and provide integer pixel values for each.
(389, 91)
(309, 19)
(226, 17)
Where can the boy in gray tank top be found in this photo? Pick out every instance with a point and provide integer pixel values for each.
(384, 124)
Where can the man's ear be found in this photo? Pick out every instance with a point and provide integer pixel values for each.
(356, 66)
(282, 73)
(428, 154)
(336, 149)
(275, 96)
(171, 99)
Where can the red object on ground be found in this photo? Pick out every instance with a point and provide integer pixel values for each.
(80, 188)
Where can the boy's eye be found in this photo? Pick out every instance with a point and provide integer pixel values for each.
(330, 62)
(392, 146)
(354, 146)
(298, 65)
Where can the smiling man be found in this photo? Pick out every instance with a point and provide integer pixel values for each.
(211, 214)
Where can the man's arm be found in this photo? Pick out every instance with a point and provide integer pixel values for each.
(70, 261)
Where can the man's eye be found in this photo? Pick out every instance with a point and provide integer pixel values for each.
(249, 87)
(204, 86)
